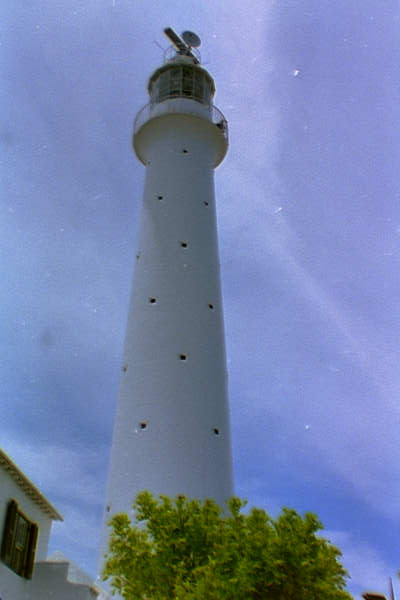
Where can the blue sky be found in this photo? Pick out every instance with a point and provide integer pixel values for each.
(309, 229)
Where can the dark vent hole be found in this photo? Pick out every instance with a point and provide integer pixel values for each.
(160, 197)
(184, 151)
(211, 306)
(125, 368)
(182, 356)
(143, 425)
(206, 203)
(184, 244)
(216, 431)
(152, 300)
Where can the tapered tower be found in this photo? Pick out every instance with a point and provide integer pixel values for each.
(172, 431)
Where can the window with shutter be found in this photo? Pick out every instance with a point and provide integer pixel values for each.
(19, 541)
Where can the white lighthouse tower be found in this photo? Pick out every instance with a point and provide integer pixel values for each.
(172, 431)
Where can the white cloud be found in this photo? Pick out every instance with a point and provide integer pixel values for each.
(368, 455)
(79, 525)
(58, 471)
(252, 489)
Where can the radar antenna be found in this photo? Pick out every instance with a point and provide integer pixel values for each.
(183, 46)
(191, 39)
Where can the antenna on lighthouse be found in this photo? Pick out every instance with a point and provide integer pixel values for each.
(183, 46)
(191, 39)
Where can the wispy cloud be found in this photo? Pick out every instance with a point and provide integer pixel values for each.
(79, 526)
(367, 569)
(60, 473)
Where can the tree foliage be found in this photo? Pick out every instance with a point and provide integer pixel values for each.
(189, 550)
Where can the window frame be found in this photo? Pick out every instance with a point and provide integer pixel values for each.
(17, 552)
(181, 81)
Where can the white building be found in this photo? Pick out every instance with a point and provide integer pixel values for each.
(172, 427)
(26, 518)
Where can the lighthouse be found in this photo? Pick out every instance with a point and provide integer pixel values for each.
(172, 427)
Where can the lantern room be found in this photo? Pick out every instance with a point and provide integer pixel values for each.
(181, 78)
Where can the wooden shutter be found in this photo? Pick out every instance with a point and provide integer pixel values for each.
(8, 532)
(30, 557)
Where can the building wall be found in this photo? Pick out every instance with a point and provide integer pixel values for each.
(13, 587)
(50, 582)
(50, 579)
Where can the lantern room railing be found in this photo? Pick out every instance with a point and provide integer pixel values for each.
(207, 112)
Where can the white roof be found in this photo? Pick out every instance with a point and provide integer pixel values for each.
(29, 488)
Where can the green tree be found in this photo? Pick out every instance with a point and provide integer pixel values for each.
(189, 550)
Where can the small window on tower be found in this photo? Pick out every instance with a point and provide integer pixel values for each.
(163, 87)
(187, 87)
(143, 425)
(184, 244)
(182, 356)
(175, 81)
(199, 86)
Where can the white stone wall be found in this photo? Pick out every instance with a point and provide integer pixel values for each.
(172, 430)
(50, 582)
